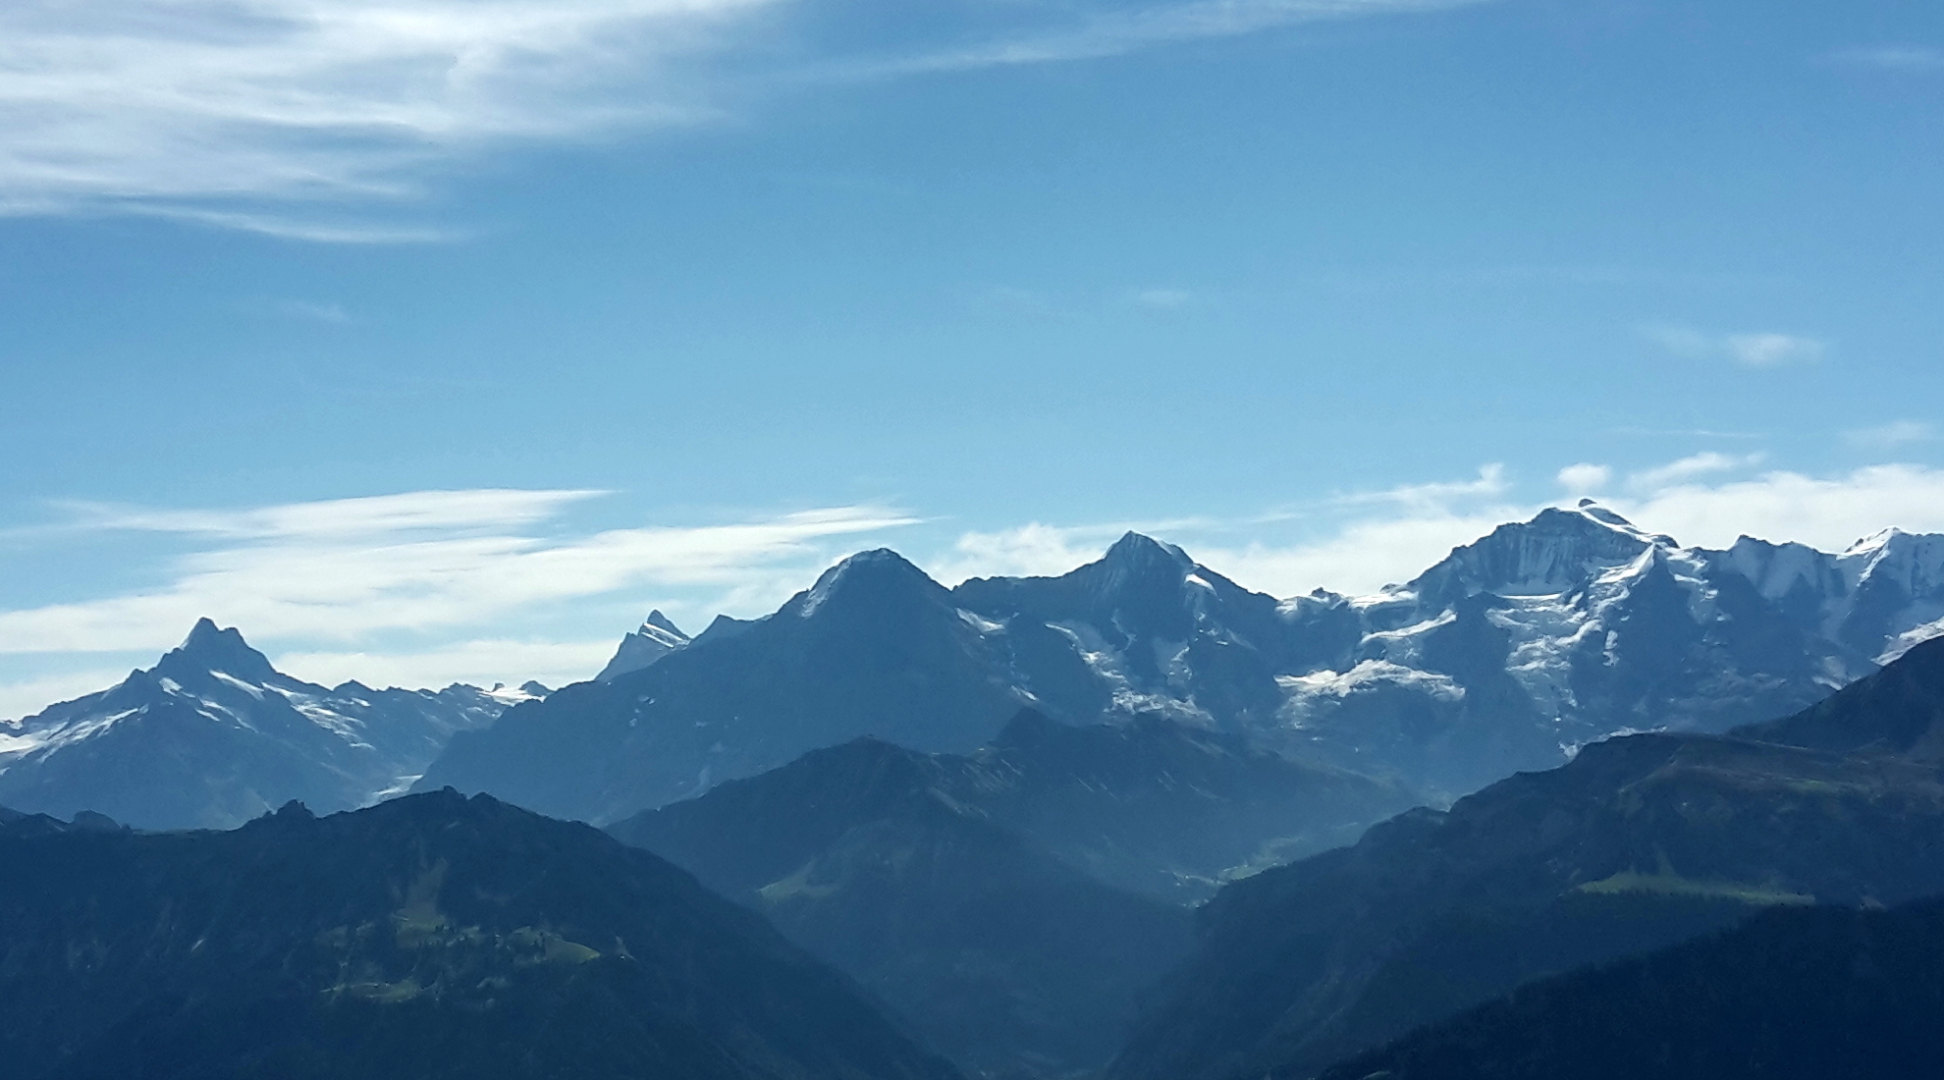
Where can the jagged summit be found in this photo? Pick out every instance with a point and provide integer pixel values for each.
(210, 648)
(657, 637)
(657, 621)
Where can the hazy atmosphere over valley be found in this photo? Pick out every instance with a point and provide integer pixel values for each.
(994, 538)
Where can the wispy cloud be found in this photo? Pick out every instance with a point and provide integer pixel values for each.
(303, 119)
(1756, 349)
(312, 311)
(241, 113)
(1130, 28)
(1164, 299)
(1894, 434)
(1706, 463)
(347, 570)
(1896, 58)
(1585, 478)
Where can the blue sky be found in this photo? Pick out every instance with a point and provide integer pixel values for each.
(434, 339)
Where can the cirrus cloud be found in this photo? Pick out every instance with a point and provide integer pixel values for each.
(350, 569)
(305, 119)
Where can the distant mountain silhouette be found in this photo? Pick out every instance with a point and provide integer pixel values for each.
(212, 736)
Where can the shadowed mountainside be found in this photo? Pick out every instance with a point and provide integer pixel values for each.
(428, 937)
(1640, 842)
(1792, 994)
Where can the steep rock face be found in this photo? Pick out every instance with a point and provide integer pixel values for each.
(874, 648)
(213, 736)
(431, 936)
(1639, 842)
(1793, 994)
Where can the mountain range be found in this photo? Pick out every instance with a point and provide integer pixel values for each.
(432, 937)
(1508, 654)
(994, 807)
(1639, 842)
(213, 736)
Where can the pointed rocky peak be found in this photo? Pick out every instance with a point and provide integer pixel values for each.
(1135, 550)
(657, 638)
(659, 623)
(210, 648)
(878, 579)
(1141, 563)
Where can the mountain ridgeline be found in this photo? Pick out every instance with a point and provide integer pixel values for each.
(213, 736)
(429, 937)
(1507, 655)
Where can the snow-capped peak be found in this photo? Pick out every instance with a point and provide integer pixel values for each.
(1555, 551)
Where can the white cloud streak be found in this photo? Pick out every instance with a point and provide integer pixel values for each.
(162, 105)
(1118, 32)
(1896, 433)
(1755, 349)
(1903, 59)
(426, 561)
(301, 119)
(1688, 468)
(1585, 478)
